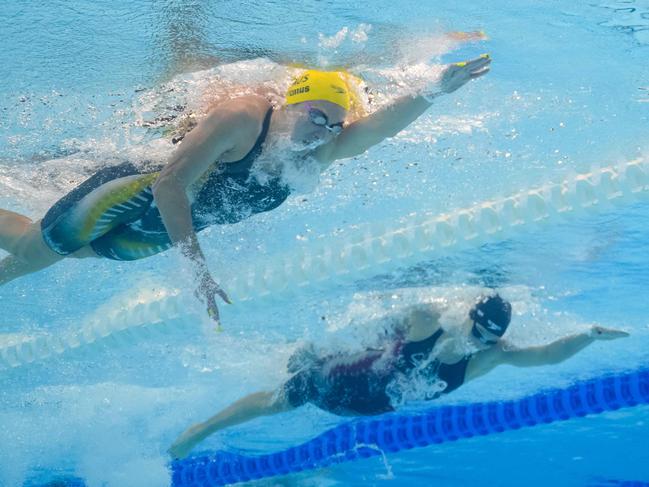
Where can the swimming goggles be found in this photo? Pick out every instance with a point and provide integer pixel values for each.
(319, 118)
(475, 331)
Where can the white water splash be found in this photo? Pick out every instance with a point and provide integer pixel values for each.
(357, 35)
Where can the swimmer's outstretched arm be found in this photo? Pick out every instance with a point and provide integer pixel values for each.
(550, 354)
(387, 122)
(559, 350)
(245, 409)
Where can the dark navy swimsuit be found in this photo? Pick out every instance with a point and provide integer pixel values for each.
(357, 384)
(115, 214)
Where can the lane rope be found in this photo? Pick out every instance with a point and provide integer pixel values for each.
(360, 252)
(394, 432)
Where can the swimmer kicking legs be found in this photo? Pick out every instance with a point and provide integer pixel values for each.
(22, 238)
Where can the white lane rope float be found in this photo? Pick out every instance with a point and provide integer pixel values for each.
(360, 252)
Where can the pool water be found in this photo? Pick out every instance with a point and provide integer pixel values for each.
(87, 84)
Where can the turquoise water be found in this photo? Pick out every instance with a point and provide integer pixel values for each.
(569, 89)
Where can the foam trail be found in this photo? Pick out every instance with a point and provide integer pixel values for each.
(394, 432)
(358, 252)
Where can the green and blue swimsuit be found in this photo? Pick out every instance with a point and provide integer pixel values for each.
(114, 211)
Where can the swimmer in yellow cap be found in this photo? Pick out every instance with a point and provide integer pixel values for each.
(124, 213)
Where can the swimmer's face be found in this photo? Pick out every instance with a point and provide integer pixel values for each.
(316, 122)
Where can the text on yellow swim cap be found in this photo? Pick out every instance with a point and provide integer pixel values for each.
(320, 85)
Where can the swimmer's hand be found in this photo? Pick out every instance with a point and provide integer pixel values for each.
(457, 75)
(601, 333)
(206, 292)
(185, 442)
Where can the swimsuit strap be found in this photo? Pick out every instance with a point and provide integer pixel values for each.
(413, 352)
(210, 197)
(453, 374)
(243, 166)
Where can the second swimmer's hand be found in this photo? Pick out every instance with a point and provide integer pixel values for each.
(457, 75)
(601, 333)
(185, 442)
(207, 291)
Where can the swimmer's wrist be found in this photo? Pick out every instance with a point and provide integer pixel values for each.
(190, 248)
(430, 96)
(593, 332)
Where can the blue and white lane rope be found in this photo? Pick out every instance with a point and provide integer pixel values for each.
(359, 252)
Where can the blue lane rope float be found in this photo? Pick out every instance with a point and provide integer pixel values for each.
(394, 432)
(362, 251)
(59, 481)
(617, 483)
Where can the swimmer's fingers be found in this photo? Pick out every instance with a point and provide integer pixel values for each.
(481, 72)
(458, 74)
(214, 288)
(184, 443)
(474, 64)
(224, 295)
(177, 451)
(478, 67)
(602, 333)
(207, 292)
(213, 311)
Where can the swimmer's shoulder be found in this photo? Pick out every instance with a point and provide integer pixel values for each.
(240, 119)
(420, 321)
(426, 311)
(244, 111)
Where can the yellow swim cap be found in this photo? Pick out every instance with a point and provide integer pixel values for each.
(320, 85)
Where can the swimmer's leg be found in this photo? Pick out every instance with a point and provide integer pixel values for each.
(111, 197)
(84, 253)
(245, 409)
(12, 227)
(22, 238)
(12, 267)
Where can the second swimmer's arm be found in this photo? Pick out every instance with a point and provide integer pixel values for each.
(550, 354)
(245, 409)
(559, 350)
(392, 119)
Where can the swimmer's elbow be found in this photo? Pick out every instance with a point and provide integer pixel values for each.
(529, 357)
